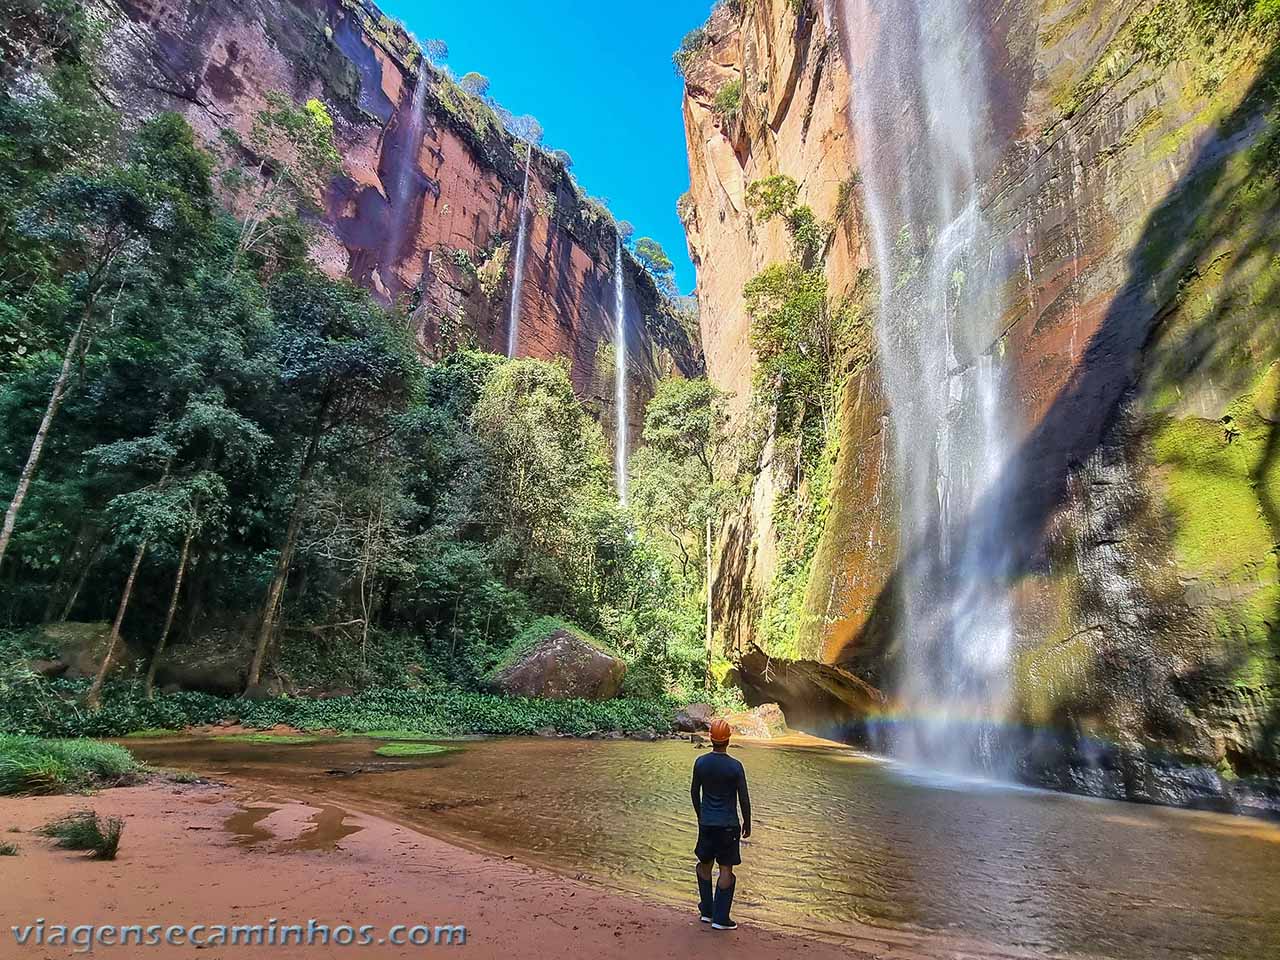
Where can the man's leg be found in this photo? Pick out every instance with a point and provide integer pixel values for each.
(706, 901)
(720, 918)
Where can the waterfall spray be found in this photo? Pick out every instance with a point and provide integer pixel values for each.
(922, 116)
(400, 196)
(513, 326)
(620, 373)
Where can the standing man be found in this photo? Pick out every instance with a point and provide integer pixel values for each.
(719, 787)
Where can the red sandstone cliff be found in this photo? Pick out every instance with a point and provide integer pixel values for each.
(443, 244)
(1133, 185)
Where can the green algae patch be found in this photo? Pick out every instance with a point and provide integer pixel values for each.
(267, 738)
(413, 750)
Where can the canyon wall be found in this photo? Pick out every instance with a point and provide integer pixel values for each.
(428, 224)
(1134, 197)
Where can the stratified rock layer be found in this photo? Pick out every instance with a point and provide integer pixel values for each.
(1135, 196)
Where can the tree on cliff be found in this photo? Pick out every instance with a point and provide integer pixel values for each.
(293, 157)
(650, 253)
(476, 84)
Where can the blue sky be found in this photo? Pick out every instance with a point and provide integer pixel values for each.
(598, 77)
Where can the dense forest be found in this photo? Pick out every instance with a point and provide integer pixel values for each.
(211, 445)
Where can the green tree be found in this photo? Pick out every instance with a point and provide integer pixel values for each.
(295, 157)
(344, 366)
(476, 84)
(103, 225)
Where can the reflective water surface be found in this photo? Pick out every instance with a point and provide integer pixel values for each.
(838, 837)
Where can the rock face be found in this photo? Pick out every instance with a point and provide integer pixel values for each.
(760, 723)
(562, 666)
(1135, 192)
(77, 650)
(430, 224)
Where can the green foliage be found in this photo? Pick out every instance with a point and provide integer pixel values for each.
(270, 434)
(691, 46)
(650, 253)
(83, 830)
(772, 196)
(31, 765)
(728, 100)
(413, 750)
(777, 196)
(439, 713)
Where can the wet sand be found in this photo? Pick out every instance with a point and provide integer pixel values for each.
(232, 854)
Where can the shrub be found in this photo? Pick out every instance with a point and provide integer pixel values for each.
(8, 850)
(440, 712)
(728, 100)
(83, 830)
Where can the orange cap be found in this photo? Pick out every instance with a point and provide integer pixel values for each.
(720, 731)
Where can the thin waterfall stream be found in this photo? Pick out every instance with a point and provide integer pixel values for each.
(921, 114)
(517, 281)
(401, 193)
(620, 373)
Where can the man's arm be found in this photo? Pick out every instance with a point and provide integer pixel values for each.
(744, 801)
(695, 793)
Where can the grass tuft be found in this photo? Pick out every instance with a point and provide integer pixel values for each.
(8, 849)
(83, 830)
(34, 766)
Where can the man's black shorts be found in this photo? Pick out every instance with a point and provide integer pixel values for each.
(719, 844)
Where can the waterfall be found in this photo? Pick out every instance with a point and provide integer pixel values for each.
(517, 281)
(620, 373)
(400, 196)
(922, 118)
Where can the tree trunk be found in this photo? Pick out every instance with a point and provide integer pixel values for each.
(266, 623)
(80, 582)
(94, 699)
(42, 433)
(709, 635)
(83, 548)
(149, 686)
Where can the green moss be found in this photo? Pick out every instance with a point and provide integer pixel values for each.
(153, 732)
(1217, 488)
(412, 750)
(269, 738)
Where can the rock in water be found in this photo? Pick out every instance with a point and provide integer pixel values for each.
(762, 723)
(695, 717)
(561, 666)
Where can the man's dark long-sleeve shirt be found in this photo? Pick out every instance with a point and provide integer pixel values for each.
(719, 786)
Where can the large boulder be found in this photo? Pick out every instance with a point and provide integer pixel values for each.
(208, 667)
(563, 664)
(695, 718)
(760, 723)
(76, 650)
